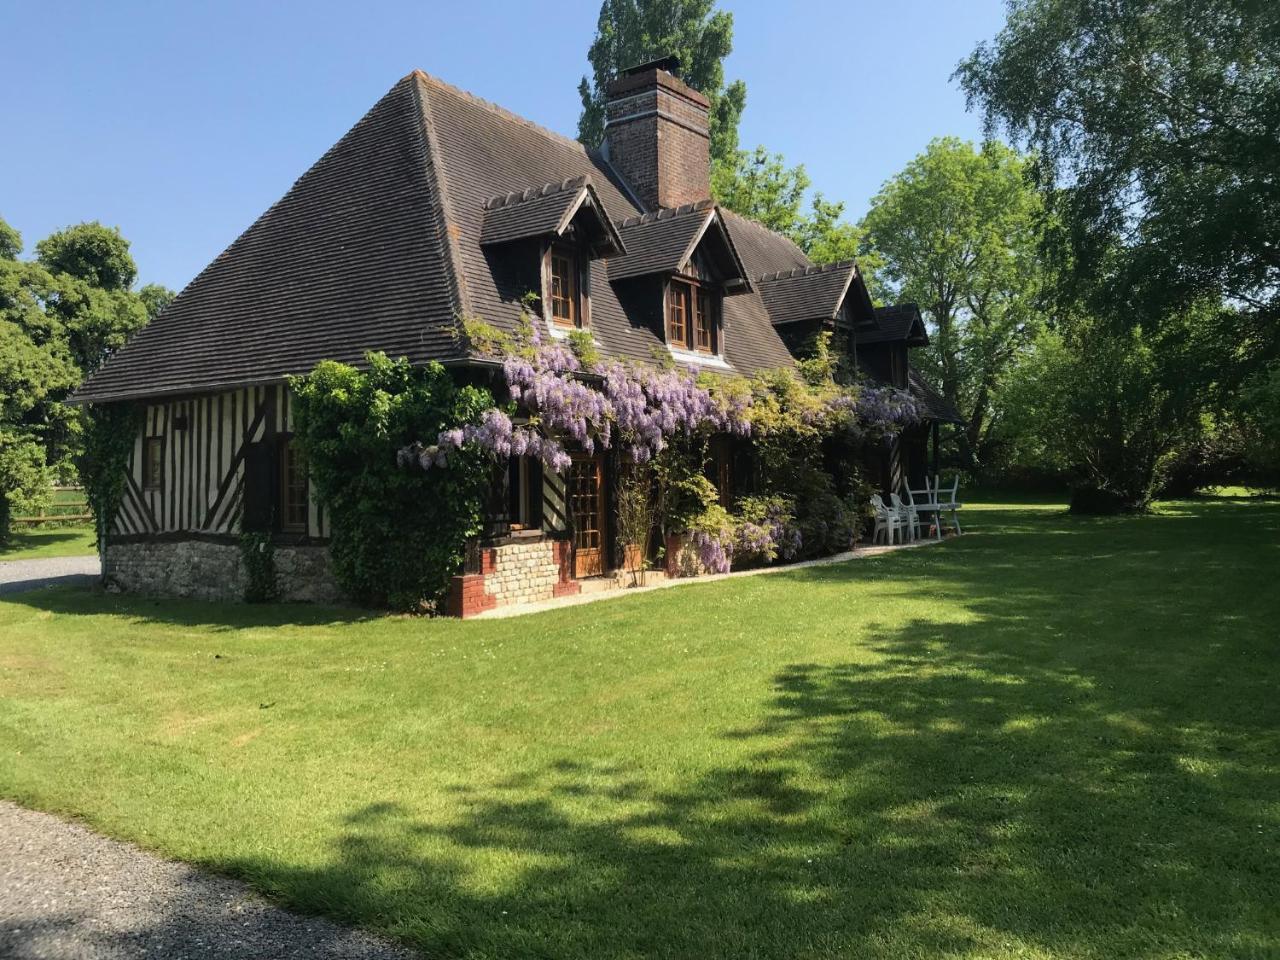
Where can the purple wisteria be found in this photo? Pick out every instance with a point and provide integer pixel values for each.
(637, 407)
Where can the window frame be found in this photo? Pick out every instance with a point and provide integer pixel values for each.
(573, 259)
(152, 473)
(700, 309)
(285, 487)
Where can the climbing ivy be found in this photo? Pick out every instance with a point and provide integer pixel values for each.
(110, 431)
(397, 533)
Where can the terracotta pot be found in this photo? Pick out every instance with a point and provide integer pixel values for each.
(675, 545)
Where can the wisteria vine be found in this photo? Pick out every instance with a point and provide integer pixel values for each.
(639, 407)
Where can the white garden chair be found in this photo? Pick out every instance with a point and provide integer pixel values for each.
(950, 503)
(907, 516)
(888, 521)
(926, 502)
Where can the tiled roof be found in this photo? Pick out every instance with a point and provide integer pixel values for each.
(662, 241)
(352, 258)
(807, 293)
(899, 322)
(935, 404)
(548, 211)
(385, 242)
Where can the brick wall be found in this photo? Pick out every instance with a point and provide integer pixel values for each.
(518, 572)
(658, 138)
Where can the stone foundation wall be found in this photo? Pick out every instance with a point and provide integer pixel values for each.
(517, 572)
(211, 570)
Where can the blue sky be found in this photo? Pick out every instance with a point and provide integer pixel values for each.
(181, 122)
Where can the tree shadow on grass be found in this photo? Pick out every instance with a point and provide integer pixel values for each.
(1072, 772)
(92, 600)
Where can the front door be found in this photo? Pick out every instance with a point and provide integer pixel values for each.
(586, 501)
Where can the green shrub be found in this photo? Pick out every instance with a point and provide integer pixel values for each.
(398, 532)
(258, 553)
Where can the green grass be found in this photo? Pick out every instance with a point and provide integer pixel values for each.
(1052, 738)
(31, 543)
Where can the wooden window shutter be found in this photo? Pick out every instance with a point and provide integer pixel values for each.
(259, 488)
(535, 493)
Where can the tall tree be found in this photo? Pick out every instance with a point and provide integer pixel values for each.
(759, 185)
(1157, 121)
(958, 233)
(93, 272)
(629, 32)
(36, 370)
(60, 317)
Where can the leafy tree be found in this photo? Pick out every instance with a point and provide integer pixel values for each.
(759, 185)
(630, 32)
(958, 232)
(10, 242)
(1259, 414)
(1155, 121)
(36, 370)
(90, 252)
(93, 272)
(60, 317)
(1110, 403)
(155, 297)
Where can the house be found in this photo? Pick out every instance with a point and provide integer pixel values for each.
(438, 206)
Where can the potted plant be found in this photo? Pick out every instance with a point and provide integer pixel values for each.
(635, 519)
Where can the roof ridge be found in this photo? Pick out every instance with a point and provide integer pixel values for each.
(812, 270)
(667, 213)
(497, 108)
(534, 193)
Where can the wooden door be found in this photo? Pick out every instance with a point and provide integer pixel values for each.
(586, 502)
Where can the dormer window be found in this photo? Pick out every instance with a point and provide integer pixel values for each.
(691, 317)
(566, 311)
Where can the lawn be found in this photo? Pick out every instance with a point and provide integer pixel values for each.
(31, 543)
(1051, 738)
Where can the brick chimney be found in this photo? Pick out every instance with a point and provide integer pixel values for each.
(656, 135)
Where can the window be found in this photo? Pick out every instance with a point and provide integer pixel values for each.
(152, 463)
(293, 488)
(691, 318)
(564, 287)
(678, 314)
(704, 324)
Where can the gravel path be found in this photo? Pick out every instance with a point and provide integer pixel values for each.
(66, 892)
(19, 575)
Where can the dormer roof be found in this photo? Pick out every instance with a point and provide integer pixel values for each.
(548, 211)
(665, 242)
(897, 324)
(807, 293)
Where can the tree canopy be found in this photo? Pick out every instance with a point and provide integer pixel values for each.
(61, 315)
(1155, 123)
(957, 231)
(630, 32)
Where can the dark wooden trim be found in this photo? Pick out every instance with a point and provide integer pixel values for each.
(229, 477)
(230, 539)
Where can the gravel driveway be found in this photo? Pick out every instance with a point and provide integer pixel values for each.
(19, 575)
(66, 892)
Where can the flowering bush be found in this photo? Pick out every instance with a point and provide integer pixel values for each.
(766, 531)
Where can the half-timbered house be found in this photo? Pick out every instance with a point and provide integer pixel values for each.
(434, 207)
